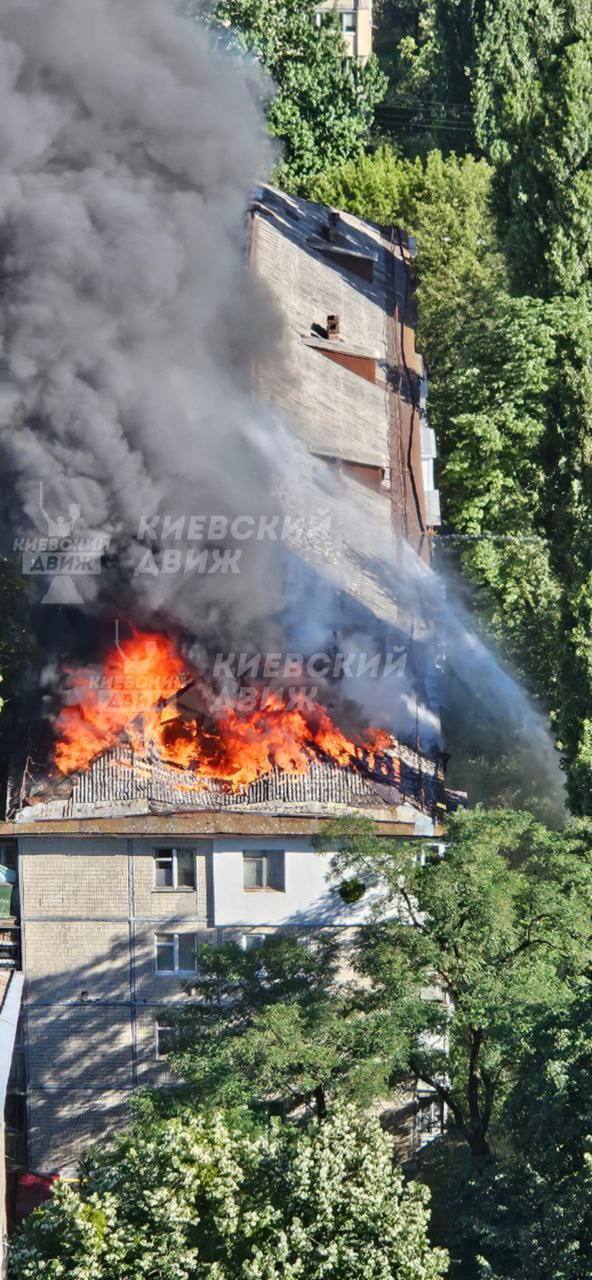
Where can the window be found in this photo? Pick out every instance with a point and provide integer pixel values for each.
(318, 19)
(264, 869)
(176, 952)
(174, 869)
(165, 1039)
(348, 21)
(430, 853)
(252, 941)
(430, 1115)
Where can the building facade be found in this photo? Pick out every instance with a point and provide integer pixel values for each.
(111, 930)
(127, 868)
(355, 20)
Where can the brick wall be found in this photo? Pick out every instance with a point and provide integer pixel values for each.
(90, 911)
(93, 996)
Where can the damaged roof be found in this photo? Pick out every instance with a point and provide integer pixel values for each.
(356, 399)
(121, 782)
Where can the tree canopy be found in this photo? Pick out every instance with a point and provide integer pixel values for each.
(528, 1214)
(496, 930)
(188, 1198)
(279, 1029)
(498, 925)
(321, 104)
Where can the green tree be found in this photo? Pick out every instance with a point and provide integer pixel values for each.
(277, 1030)
(567, 508)
(533, 84)
(498, 924)
(548, 1122)
(428, 48)
(189, 1198)
(498, 927)
(528, 1216)
(323, 103)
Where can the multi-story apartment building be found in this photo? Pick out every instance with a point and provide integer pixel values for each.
(125, 868)
(114, 910)
(355, 20)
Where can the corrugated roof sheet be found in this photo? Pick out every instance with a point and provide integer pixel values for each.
(123, 782)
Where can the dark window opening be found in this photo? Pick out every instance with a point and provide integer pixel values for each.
(174, 869)
(264, 869)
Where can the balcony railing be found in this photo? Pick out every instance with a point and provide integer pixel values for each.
(10, 945)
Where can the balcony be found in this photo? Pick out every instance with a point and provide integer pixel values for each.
(10, 933)
(10, 945)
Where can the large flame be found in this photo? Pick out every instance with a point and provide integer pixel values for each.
(132, 696)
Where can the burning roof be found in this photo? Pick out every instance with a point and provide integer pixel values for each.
(135, 741)
(124, 782)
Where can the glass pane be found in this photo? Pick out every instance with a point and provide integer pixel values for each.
(253, 872)
(186, 869)
(164, 871)
(164, 1041)
(165, 953)
(187, 952)
(275, 871)
(253, 941)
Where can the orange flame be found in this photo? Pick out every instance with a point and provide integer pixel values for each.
(128, 697)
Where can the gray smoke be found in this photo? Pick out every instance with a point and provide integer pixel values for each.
(129, 329)
(129, 322)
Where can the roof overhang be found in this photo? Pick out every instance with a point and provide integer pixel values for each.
(195, 824)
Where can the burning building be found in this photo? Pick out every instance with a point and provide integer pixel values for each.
(165, 819)
(185, 759)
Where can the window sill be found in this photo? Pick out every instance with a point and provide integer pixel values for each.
(169, 888)
(176, 973)
(261, 889)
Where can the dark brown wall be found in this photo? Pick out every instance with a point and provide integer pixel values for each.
(371, 477)
(364, 366)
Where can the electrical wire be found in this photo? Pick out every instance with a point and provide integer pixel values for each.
(410, 123)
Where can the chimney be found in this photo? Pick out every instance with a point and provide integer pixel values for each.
(333, 224)
(333, 327)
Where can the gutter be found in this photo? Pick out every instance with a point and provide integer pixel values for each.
(9, 1016)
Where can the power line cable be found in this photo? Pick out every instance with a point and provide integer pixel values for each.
(429, 102)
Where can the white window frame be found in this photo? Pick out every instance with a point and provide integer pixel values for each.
(158, 1027)
(263, 855)
(344, 14)
(257, 939)
(429, 850)
(172, 852)
(176, 972)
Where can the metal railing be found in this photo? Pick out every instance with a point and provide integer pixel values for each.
(10, 945)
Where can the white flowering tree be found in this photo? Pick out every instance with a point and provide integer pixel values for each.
(189, 1198)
